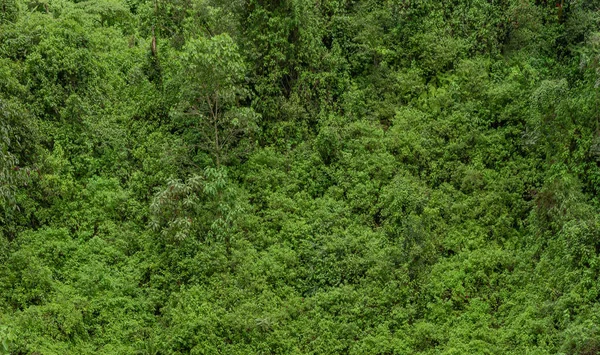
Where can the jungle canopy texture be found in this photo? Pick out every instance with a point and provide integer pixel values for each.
(300, 177)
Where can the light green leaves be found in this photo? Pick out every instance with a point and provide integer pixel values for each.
(204, 207)
(7, 338)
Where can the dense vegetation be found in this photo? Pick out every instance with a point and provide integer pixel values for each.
(299, 177)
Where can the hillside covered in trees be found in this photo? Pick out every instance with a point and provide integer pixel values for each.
(300, 177)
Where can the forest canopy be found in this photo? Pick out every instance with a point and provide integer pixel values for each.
(300, 177)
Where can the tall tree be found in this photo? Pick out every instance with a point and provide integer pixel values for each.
(211, 96)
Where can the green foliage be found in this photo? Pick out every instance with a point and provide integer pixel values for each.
(299, 177)
(180, 210)
(211, 90)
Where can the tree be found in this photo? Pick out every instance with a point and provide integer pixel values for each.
(211, 92)
(205, 206)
